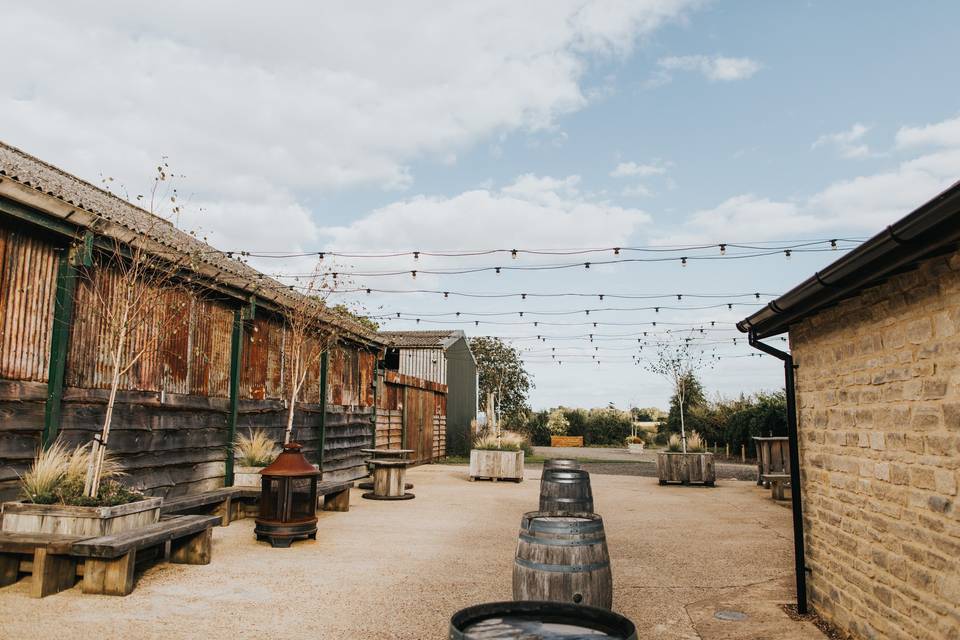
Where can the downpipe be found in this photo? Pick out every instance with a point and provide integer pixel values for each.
(800, 566)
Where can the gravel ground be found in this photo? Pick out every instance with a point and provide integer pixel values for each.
(400, 569)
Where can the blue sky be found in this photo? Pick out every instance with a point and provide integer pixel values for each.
(492, 125)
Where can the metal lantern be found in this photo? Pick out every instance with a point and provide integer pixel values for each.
(288, 499)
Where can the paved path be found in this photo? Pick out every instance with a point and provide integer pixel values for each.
(618, 462)
(399, 570)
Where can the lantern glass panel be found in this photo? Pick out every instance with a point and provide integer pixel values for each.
(271, 498)
(302, 498)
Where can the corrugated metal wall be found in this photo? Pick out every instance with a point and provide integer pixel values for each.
(28, 275)
(426, 364)
(170, 423)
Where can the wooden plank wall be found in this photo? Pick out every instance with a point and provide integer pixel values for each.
(411, 414)
(170, 424)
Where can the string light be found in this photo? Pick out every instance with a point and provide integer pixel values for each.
(513, 254)
(683, 261)
(723, 249)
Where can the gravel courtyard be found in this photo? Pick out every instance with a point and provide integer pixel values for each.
(400, 569)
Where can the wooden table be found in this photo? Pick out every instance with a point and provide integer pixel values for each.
(384, 454)
(389, 480)
(773, 457)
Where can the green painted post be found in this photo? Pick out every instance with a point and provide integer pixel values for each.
(236, 346)
(59, 342)
(80, 254)
(373, 415)
(324, 365)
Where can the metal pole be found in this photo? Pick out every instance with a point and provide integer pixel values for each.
(236, 346)
(59, 343)
(800, 565)
(324, 366)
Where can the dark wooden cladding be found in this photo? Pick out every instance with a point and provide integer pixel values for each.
(411, 414)
(28, 274)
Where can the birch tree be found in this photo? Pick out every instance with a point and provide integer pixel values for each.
(131, 297)
(308, 334)
(678, 359)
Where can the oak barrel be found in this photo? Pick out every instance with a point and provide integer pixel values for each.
(538, 621)
(561, 463)
(563, 557)
(566, 490)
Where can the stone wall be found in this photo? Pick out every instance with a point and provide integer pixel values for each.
(878, 389)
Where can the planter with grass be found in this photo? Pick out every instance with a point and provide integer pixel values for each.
(693, 466)
(497, 459)
(54, 501)
(252, 454)
(635, 444)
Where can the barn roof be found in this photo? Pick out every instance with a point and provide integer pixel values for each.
(441, 339)
(932, 229)
(101, 211)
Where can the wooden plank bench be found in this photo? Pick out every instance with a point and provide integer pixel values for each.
(45, 555)
(110, 560)
(235, 503)
(778, 482)
(217, 502)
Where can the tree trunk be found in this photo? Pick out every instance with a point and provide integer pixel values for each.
(97, 450)
(288, 433)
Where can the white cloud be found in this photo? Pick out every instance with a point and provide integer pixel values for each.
(941, 134)
(264, 110)
(848, 143)
(533, 211)
(629, 169)
(713, 68)
(864, 204)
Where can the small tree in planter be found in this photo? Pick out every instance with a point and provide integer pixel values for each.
(497, 458)
(691, 466)
(252, 454)
(678, 360)
(308, 334)
(54, 500)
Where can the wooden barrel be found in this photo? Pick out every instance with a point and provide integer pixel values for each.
(562, 557)
(566, 490)
(561, 463)
(538, 621)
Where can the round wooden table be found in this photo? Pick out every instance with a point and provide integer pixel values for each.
(388, 480)
(385, 454)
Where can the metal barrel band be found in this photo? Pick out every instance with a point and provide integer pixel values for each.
(560, 542)
(588, 527)
(562, 568)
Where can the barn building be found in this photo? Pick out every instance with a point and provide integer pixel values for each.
(443, 357)
(219, 365)
(875, 353)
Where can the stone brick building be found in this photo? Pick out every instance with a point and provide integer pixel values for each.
(875, 341)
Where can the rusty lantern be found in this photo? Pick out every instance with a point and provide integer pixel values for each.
(288, 499)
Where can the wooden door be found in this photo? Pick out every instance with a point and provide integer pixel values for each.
(418, 410)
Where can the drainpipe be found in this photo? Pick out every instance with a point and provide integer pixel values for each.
(797, 506)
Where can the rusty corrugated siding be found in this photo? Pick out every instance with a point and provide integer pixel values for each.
(28, 275)
(212, 329)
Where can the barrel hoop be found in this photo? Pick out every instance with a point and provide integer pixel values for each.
(567, 500)
(541, 526)
(560, 542)
(562, 568)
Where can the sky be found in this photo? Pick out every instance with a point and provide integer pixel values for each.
(652, 125)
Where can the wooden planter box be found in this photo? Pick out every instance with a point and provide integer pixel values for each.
(686, 468)
(496, 465)
(25, 517)
(566, 441)
(247, 477)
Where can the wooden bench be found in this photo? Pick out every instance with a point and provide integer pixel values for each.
(217, 502)
(110, 560)
(235, 503)
(45, 555)
(778, 482)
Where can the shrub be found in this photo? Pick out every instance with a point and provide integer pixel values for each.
(255, 450)
(58, 475)
(508, 442)
(634, 440)
(557, 423)
(695, 443)
(674, 444)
